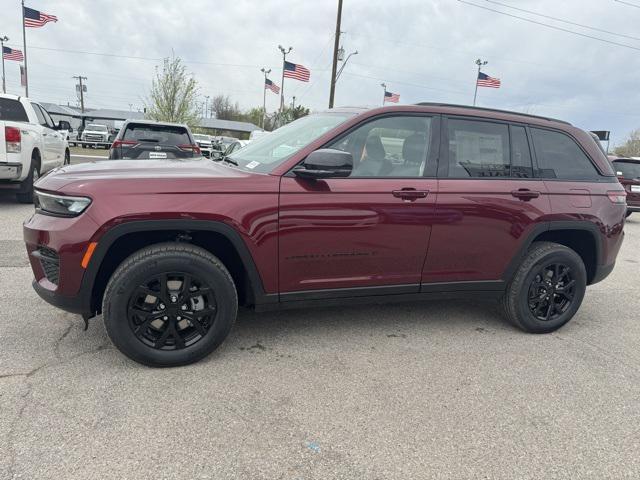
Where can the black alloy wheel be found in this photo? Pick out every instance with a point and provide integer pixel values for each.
(551, 292)
(172, 311)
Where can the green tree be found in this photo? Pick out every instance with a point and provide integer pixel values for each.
(631, 146)
(173, 96)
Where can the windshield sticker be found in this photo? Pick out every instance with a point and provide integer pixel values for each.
(253, 164)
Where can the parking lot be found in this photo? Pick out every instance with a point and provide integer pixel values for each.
(426, 390)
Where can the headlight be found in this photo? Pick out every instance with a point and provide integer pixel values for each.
(61, 204)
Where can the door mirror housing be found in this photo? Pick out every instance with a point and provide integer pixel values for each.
(326, 163)
(63, 125)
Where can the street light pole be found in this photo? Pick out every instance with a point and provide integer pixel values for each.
(344, 64)
(284, 59)
(206, 106)
(480, 64)
(264, 95)
(384, 96)
(2, 40)
(336, 47)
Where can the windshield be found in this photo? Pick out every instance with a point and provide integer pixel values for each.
(99, 128)
(269, 151)
(628, 170)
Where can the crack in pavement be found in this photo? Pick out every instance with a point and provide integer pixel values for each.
(29, 390)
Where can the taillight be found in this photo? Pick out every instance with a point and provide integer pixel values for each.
(13, 139)
(619, 197)
(119, 143)
(194, 148)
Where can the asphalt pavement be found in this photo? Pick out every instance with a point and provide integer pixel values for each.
(411, 391)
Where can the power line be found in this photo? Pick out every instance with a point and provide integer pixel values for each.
(627, 3)
(551, 26)
(563, 21)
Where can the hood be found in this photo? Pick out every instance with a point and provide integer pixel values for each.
(148, 176)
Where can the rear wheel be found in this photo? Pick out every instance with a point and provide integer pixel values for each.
(547, 289)
(26, 193)
(629, 212)
(169, 304)
(67, 157)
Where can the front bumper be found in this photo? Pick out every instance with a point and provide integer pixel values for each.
(75, 304)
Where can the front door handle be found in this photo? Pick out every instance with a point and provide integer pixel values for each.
(410, 194)
(525, 194)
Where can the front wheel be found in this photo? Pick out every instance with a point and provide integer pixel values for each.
(169, 304)
(26, 195)
(547, 289)
(67, 157)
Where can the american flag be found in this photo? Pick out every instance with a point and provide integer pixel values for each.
(297, 72)
(271, 86)
(391, 97)
(34, 18)
(485, 80)
(11, 54)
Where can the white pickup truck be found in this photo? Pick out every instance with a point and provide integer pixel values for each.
(31, 144)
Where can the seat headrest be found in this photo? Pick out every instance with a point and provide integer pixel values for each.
(375, 149)
(413, 148)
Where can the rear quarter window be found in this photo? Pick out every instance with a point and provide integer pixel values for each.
(12, 111)
(560, 157)
(161, 134)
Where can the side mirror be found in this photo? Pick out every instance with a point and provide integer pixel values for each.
(325, 163)
(64, 125)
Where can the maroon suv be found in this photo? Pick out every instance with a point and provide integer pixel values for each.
(628, 172)
(342, 207)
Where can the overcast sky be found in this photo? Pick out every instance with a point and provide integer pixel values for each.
(424, 50)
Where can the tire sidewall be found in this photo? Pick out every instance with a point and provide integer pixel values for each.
(125, 282)
(573, 261)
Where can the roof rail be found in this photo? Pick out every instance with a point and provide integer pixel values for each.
(436, 104)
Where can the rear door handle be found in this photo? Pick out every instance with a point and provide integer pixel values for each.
(525, 194)
(410, 194)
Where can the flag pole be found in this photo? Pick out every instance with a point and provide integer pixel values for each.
(384, 95)
(264, 95)
(4, 85)
(24, 41)
(284, 59)
(480, 63)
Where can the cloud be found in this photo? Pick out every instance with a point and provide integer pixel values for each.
(425, 51)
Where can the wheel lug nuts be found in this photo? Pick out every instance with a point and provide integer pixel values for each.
(184, 307)
(174, 299)
(161, 306)
(178, 318)
(165, 318)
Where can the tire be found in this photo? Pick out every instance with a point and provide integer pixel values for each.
(26, 194)
(532, 294)
(67, 158)
(629, 212)
(137, 284)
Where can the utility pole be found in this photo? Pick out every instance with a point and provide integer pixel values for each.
(336, 47)
(480, 64)
(264, 95)
(2, 40)
(384, 96)
(206, 106)
(284, 59)
(80, 78)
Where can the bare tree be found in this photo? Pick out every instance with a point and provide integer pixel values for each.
(173, 94)
(224, 108)
(631, 146)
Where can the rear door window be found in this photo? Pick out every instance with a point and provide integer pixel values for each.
(560, 157)
(521, 166)
(12, 111)
(160, 134)
(478, 149)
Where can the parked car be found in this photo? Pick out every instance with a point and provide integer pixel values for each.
(349, 206)
(628, 172)
(147, 139)
(96, 134)
(31, 144)
(205, 143)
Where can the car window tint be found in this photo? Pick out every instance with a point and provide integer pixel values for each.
(161, 134)
(388, 147)
(560, 157)
(39, 114)
(478, 149)
(628, 169)
(520, 153)
(12, 111)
